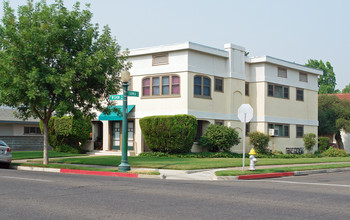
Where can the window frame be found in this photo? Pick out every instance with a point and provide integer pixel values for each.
(246, 89)
(202, 87)
(283, 91)
(37, 130)
(281, 75)
(296, 131)
(155, 56)
(306, 77)
(283, 128)
(222, 84)
(160, 85)
(296, 94)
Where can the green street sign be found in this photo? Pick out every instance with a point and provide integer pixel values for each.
(115, 97)
(133, 93)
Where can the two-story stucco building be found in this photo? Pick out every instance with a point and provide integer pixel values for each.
(211, 84)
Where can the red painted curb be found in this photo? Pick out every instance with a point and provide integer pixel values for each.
(265, 175)
(99, 173)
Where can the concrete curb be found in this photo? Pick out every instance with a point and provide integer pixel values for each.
(295, 173)
(86, 172)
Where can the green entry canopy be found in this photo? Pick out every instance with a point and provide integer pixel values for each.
(115, 116)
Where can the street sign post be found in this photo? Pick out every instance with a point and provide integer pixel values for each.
(245, 114)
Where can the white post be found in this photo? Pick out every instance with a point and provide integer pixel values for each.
(244, 130)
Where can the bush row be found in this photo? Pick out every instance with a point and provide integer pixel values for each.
(169, 134)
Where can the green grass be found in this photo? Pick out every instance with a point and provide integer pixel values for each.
(279, 169)
(19, 155)
(190, 163)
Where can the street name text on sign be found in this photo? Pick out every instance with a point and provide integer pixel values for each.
(133, 93)
(115, 97)
(245, 114)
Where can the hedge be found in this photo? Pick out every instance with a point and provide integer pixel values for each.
(68, 131)
(169, 134)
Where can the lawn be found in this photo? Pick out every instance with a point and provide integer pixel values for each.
(19, 155)
(191, 163)
(280, 169)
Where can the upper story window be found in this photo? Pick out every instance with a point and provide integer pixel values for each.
(300, 94)
(282, 72)
(303, 77)
(202, 86)
(219, 84)
(283, 130)
(160, 59)
(32, 130)
(161, 85)
(247, 89)
(278, 91)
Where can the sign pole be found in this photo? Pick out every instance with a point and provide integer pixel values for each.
(244, 130)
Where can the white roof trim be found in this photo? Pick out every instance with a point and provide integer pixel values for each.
(179, 46)
(284, 63)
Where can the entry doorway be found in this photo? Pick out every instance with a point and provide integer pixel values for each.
(117, 132)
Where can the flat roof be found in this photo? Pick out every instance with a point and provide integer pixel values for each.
(284, 63)
(179, 46)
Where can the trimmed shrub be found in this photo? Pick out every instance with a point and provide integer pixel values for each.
(260, 141)
(67, 149)
(309, 141)
(68, 130)
(335, 152)
(323, 144)
(169, 134)
(219, 138)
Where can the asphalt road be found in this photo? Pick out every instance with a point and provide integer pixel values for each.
(36, 195)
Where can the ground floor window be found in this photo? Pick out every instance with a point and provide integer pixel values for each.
(32, 130)
(300, 131)
(282, 129)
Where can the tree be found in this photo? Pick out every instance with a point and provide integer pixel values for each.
(333, 116)
(327, 81)
(346, 89)
(55, 61)
(260, 141)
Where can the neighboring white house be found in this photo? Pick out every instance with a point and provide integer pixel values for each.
(211, 84)
(19, 134)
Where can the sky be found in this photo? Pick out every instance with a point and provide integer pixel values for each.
(292, 30)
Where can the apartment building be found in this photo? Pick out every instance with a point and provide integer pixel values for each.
(211, 84)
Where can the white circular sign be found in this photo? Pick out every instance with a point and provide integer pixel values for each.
(245, 113)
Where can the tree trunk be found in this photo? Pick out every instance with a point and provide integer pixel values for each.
(46, 141)
(339, 140)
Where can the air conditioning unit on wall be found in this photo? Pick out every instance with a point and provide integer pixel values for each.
(273, 132)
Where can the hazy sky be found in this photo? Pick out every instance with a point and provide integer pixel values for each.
(293, 30)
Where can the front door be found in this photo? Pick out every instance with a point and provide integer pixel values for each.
(117, 135)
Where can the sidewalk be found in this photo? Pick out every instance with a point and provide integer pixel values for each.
(207, 174)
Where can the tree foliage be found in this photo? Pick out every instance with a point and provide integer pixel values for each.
(219, 138)
(309, 141)
(327, 81)
(333, 114)
(55, 60)
(346, 89)
(260, 141)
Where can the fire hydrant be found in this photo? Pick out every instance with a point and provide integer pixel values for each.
(253, 160)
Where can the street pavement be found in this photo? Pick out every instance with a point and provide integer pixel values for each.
(41, 195)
